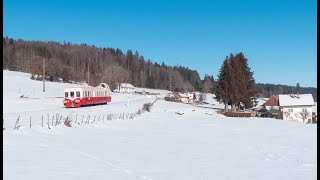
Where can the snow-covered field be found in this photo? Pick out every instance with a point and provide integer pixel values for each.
(199, 144)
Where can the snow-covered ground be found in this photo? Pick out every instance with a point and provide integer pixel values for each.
(161, 144)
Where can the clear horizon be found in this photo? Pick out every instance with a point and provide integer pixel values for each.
(278, 38)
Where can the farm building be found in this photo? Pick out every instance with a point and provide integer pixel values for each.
(296, 107)
(124, 88)
(272, 103)
(187, 98)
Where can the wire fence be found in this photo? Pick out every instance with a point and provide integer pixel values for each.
(49, 121)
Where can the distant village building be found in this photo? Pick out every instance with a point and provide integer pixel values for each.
(187, 98)
(272, 103)
(124, 88)
(296, 107)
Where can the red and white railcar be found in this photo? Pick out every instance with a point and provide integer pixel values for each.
(83, 96)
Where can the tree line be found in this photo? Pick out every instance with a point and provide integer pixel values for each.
(77, 62)
(267, 90)
(235, 84)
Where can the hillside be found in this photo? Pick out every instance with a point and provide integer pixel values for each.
(76, 61)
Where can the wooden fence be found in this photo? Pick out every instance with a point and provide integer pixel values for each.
(237, 114)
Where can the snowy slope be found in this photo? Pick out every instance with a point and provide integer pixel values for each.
(40, 104)
(199, 144)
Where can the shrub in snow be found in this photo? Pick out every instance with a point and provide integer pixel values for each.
(147, 107)
(139, 112)
(67, 122)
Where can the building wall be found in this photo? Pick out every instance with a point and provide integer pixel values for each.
(184, 100)
(274, 107)
(295, 114)
(187, 100)
(126, 90)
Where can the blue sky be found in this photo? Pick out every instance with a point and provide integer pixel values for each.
(277, 37)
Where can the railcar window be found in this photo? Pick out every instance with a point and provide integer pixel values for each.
(66, 94)
(78, 93)
(71, 94)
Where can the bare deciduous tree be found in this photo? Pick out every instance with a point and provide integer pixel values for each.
(304, 115)
(286, 114)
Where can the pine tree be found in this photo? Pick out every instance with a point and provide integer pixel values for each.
(223, 89)
(247, 86)
(235, 83)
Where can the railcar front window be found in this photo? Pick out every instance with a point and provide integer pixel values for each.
(71, 94)
(78, 93)
(66, 94)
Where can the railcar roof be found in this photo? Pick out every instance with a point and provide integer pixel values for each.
(84, 88)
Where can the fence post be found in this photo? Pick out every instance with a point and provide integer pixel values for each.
(17, 123)
(48, 122)
(30, 122)
(57, 118)
(42, 121)
(88, 119)
(82, 119)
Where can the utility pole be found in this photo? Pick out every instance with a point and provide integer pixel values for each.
(185, 83)
(88, 74)
(43, 76)
(170, 79)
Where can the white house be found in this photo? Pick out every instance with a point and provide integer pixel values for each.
(124, 88)
(296, 107)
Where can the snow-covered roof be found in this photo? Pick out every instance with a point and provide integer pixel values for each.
(296, 100)
(186, 95)
(126, 85)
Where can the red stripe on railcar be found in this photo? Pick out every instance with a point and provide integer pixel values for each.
(78, 102)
